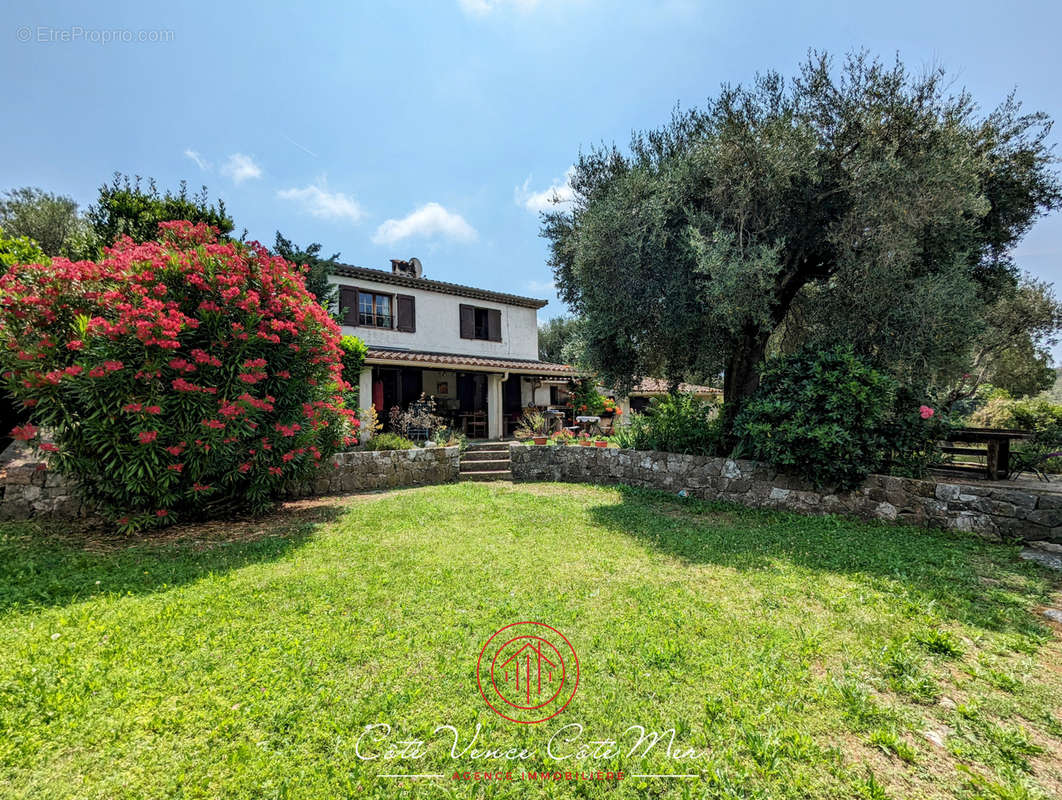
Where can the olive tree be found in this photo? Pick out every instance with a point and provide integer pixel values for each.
(862, 203)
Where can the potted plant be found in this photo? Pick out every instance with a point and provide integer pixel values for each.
(600, 441)
(532, 426)
(563, 436)
(584, 439)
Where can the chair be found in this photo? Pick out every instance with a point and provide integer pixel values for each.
(477, 425)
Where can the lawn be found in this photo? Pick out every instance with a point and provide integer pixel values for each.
(796, 657)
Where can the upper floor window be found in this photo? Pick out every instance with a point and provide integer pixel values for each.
(480, 323)
(374, 310)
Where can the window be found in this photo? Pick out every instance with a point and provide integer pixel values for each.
(481, 326)
(374, 310)
(480, 323)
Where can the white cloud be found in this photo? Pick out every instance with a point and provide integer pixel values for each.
(319, 202)
(560, 193)
(200, 162)
(546, 287)
(428, 220)
(480, 8)
(241, 168)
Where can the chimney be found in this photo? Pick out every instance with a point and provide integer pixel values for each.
(411, 268)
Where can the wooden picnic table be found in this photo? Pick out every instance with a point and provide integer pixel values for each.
(997, 453)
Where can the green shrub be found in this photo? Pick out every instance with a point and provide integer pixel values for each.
(822, 415)
(676, 423)
(353, 358)
(388, 441)
(914, 439)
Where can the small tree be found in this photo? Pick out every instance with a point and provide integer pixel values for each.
(124, 208)
(50, 220)
(317, 268)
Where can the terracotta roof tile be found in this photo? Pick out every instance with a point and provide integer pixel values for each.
(378, 355)
(444, 287)
(659, 386)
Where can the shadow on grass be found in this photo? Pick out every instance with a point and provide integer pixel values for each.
(952, 574)
(46, 565)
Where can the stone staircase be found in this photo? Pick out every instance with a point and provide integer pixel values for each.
(486, 461)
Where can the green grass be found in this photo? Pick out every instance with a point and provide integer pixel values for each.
(805, 657)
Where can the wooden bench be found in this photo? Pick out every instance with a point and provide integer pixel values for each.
(996, 454)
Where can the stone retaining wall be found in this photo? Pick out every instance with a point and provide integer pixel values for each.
(29, 490)
(990, 510)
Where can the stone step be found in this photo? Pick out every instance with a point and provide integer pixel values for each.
(484, 455)
(479, 447)
(488, 475)
(484, 465)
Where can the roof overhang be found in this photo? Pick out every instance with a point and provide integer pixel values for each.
(467, 363)
(409, 282)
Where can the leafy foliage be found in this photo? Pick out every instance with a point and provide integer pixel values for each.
(560, 341)
(388, 441)
(123, 208)
(19, 250)
(675, 423)
(914, 431)
(585, 397)
(176, 379)
(50, 220)
(317, 268)
(354, 351)
(821, 415)
(865, 205)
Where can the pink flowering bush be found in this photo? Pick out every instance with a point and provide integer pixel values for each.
(176, 379)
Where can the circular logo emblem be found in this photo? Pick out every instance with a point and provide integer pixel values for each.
(527, 672)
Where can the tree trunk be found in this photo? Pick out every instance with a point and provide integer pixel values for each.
(742, 376)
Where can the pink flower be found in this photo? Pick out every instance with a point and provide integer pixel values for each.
(24, 432)
(132, 407)
(48, 447)
(147, 437)
(153, 410)
(925, 412)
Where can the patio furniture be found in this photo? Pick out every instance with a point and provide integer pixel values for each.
(589, 424)
(996, 453)
(554, 419)
(474, 425)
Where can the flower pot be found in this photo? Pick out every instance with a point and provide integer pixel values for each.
(600, 444)
(540, 439)
(585, 444)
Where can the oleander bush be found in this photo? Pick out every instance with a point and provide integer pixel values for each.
(174, 379)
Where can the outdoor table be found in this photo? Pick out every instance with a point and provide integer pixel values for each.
(587, 422)
(998, 449)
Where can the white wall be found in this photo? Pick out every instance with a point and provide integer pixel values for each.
(537, 396)
(439, 325)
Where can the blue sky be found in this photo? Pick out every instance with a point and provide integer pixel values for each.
(435, 129)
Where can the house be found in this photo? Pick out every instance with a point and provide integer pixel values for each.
(474, 350)
(638, 398)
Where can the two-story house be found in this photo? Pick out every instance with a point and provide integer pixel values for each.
(475, 351)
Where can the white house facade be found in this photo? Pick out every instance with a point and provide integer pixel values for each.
(474, 351)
